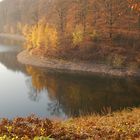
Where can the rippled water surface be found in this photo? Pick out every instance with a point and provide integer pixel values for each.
(26, 90)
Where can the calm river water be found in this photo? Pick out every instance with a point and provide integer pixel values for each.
(26, 90)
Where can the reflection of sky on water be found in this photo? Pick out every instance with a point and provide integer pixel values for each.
(16, 94)
(8, 48)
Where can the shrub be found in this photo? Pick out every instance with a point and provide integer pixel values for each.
(94, 35)
(26, 30)
(40, 35)
(78, 36)
(51, 37)
(133, 66)
(116, 60)
(43, 138)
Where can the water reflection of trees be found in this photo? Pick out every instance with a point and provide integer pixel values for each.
(33, 93)
(77, 95)
(9, 60)
(9, 57)
(55, 108)
(10, 42)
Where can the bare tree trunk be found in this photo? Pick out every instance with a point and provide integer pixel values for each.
(139, 21)
(110, 32)
(110, 20)
(85, 6)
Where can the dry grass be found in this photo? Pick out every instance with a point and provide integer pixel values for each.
(120, 125)
(123, 125)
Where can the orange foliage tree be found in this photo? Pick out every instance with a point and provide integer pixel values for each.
(135, 6)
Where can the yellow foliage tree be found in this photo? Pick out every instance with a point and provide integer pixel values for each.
(78, 35)
(41, 35)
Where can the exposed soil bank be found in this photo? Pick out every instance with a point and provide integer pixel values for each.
(76, 67)
(12, 36)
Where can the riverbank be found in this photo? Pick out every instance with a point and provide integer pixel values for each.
(12, 36)
(75, 67)
(115, 126)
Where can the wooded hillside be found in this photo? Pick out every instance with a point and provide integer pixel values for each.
(104, 17)
(77, 29)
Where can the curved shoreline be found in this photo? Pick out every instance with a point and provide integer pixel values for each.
(12, 36)
(75, 67)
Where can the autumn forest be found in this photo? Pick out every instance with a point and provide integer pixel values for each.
(48, 24)
(69, 69)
